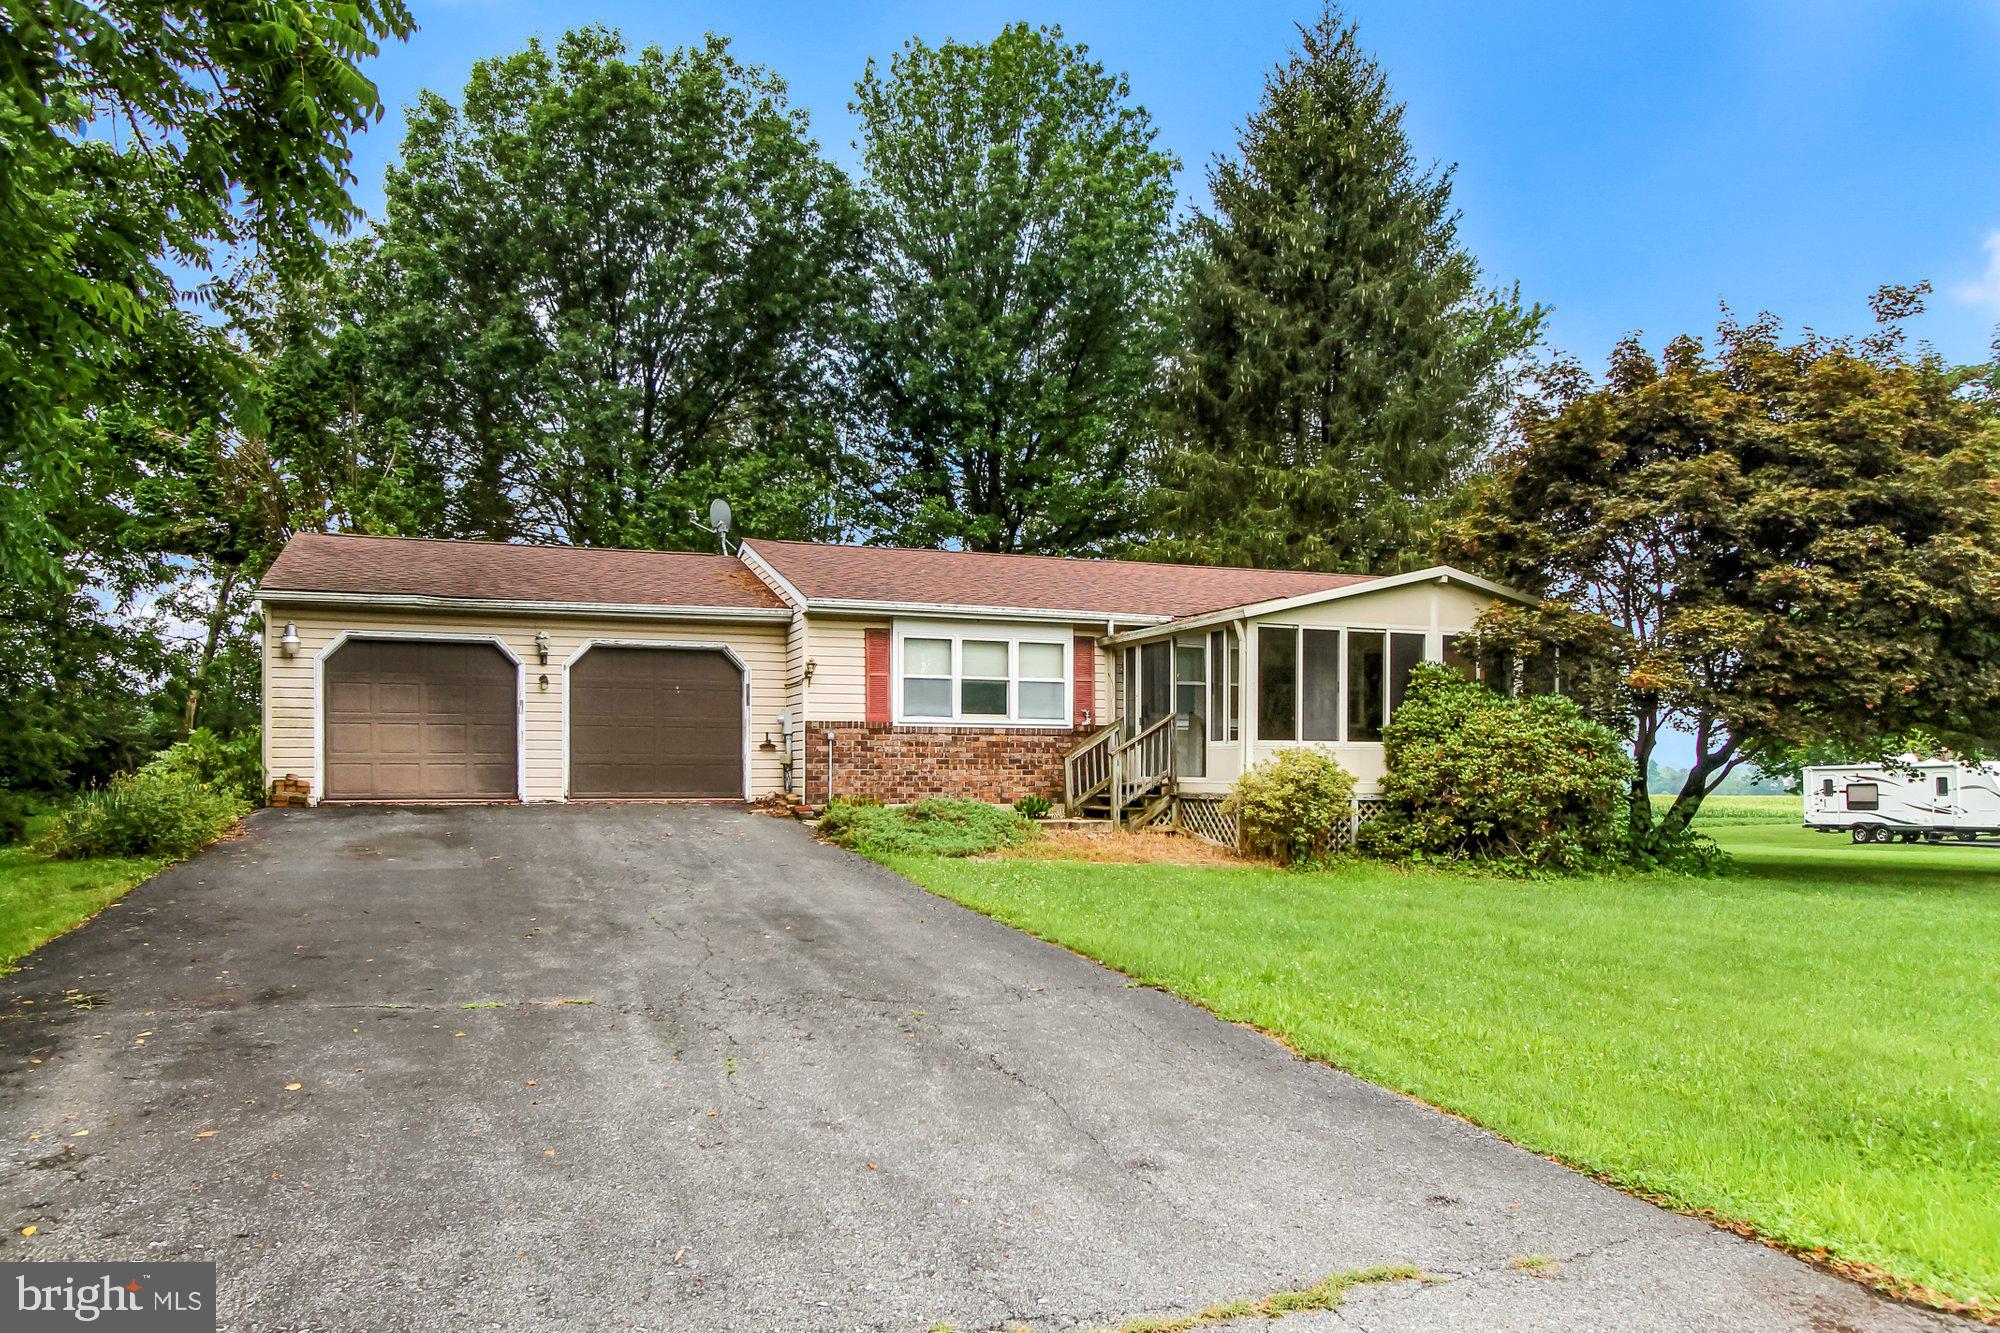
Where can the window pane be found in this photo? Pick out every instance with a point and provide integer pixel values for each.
(984, 659)
(1131, 687)
(1458, 656)
(1322, 690)
(1277, 684)
(1364, 685)
(1405, 651)
(1042, 700)
(1863, 796)
(982, 698)
(1217, 674)
(1235, 688)
(1041, 661)
(926, 698)
(1156, 682)
(927, 657)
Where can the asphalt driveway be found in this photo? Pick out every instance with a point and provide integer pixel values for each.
(681, 1067)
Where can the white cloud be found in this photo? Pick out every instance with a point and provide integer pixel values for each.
(1984, 290)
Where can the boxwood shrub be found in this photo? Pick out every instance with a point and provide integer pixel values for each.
(1288, 806)
(1475, 776)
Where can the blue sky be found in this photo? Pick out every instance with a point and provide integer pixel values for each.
(1631, 165)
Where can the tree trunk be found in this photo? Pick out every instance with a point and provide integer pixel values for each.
(1639, 814)
(216, 616)
(1708, 771)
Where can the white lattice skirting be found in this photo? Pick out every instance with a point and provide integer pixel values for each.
(1211, 819)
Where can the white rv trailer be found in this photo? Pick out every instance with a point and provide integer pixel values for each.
(1932, 799)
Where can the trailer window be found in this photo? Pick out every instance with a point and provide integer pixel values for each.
(1944, 785)
(1826, 787)
(1863, 796)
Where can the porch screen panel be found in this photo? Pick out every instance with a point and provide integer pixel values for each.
(1405, 652)
(1365, 681)
(1156, 682)
(1322, 685)
(1277, 683)
(1235, 700)
(1218, 675)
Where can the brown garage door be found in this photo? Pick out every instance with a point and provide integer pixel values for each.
(411, 721)
(655, 722)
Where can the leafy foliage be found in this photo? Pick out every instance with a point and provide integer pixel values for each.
(607, 287)
(938, 827)
(234, 766)
(133, 137)
(1771, 545)
(1478, 776)
(15, 811)
(1033, 807)
(147, 813)
(1288, 805)
(1019, 210)
(1339, 367)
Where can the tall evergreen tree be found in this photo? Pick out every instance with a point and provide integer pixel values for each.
(1340, 366)
(1020, 213)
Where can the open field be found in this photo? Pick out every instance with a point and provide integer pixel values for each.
(1805, 1045)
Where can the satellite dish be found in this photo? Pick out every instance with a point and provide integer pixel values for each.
(718, 516)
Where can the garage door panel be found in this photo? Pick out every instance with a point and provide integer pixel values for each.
(656, 722)
(411, 720)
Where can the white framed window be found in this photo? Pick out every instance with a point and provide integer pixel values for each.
(982, 674)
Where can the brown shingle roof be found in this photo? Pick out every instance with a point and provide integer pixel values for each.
(1030, 582)
(504, 571)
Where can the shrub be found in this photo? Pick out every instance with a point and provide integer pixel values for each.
(234, 765)
(142, 814)
(1286, 806)
(928, 828)
(15, 809)
(1476, 776)
(1033, 807)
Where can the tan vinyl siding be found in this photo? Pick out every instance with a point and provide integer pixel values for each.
(292, 730)
(839, 690)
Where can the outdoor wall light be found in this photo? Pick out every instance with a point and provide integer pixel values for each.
(542, 651)
(545, 682)
(290, 642)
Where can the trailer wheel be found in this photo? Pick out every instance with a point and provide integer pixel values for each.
(1885, 835)
(1968, 837)
(1910, 838)
(1861, 834)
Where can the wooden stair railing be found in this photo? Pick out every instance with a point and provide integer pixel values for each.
(1140, 766)
(1087, 768)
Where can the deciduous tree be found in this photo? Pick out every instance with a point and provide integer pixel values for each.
(1769, 544)
(607, 286)
(1019, 211)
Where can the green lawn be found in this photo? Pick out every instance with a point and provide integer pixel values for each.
(41, 899)
(1810, 1045)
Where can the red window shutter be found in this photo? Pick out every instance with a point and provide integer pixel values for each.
(876, 645)
(1085, 677)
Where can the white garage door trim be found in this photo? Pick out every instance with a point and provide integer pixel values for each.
(419, 636)
(699, 645)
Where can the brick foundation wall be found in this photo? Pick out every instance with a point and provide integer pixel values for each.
(878, 762)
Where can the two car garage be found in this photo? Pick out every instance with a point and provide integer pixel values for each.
(423, 719)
